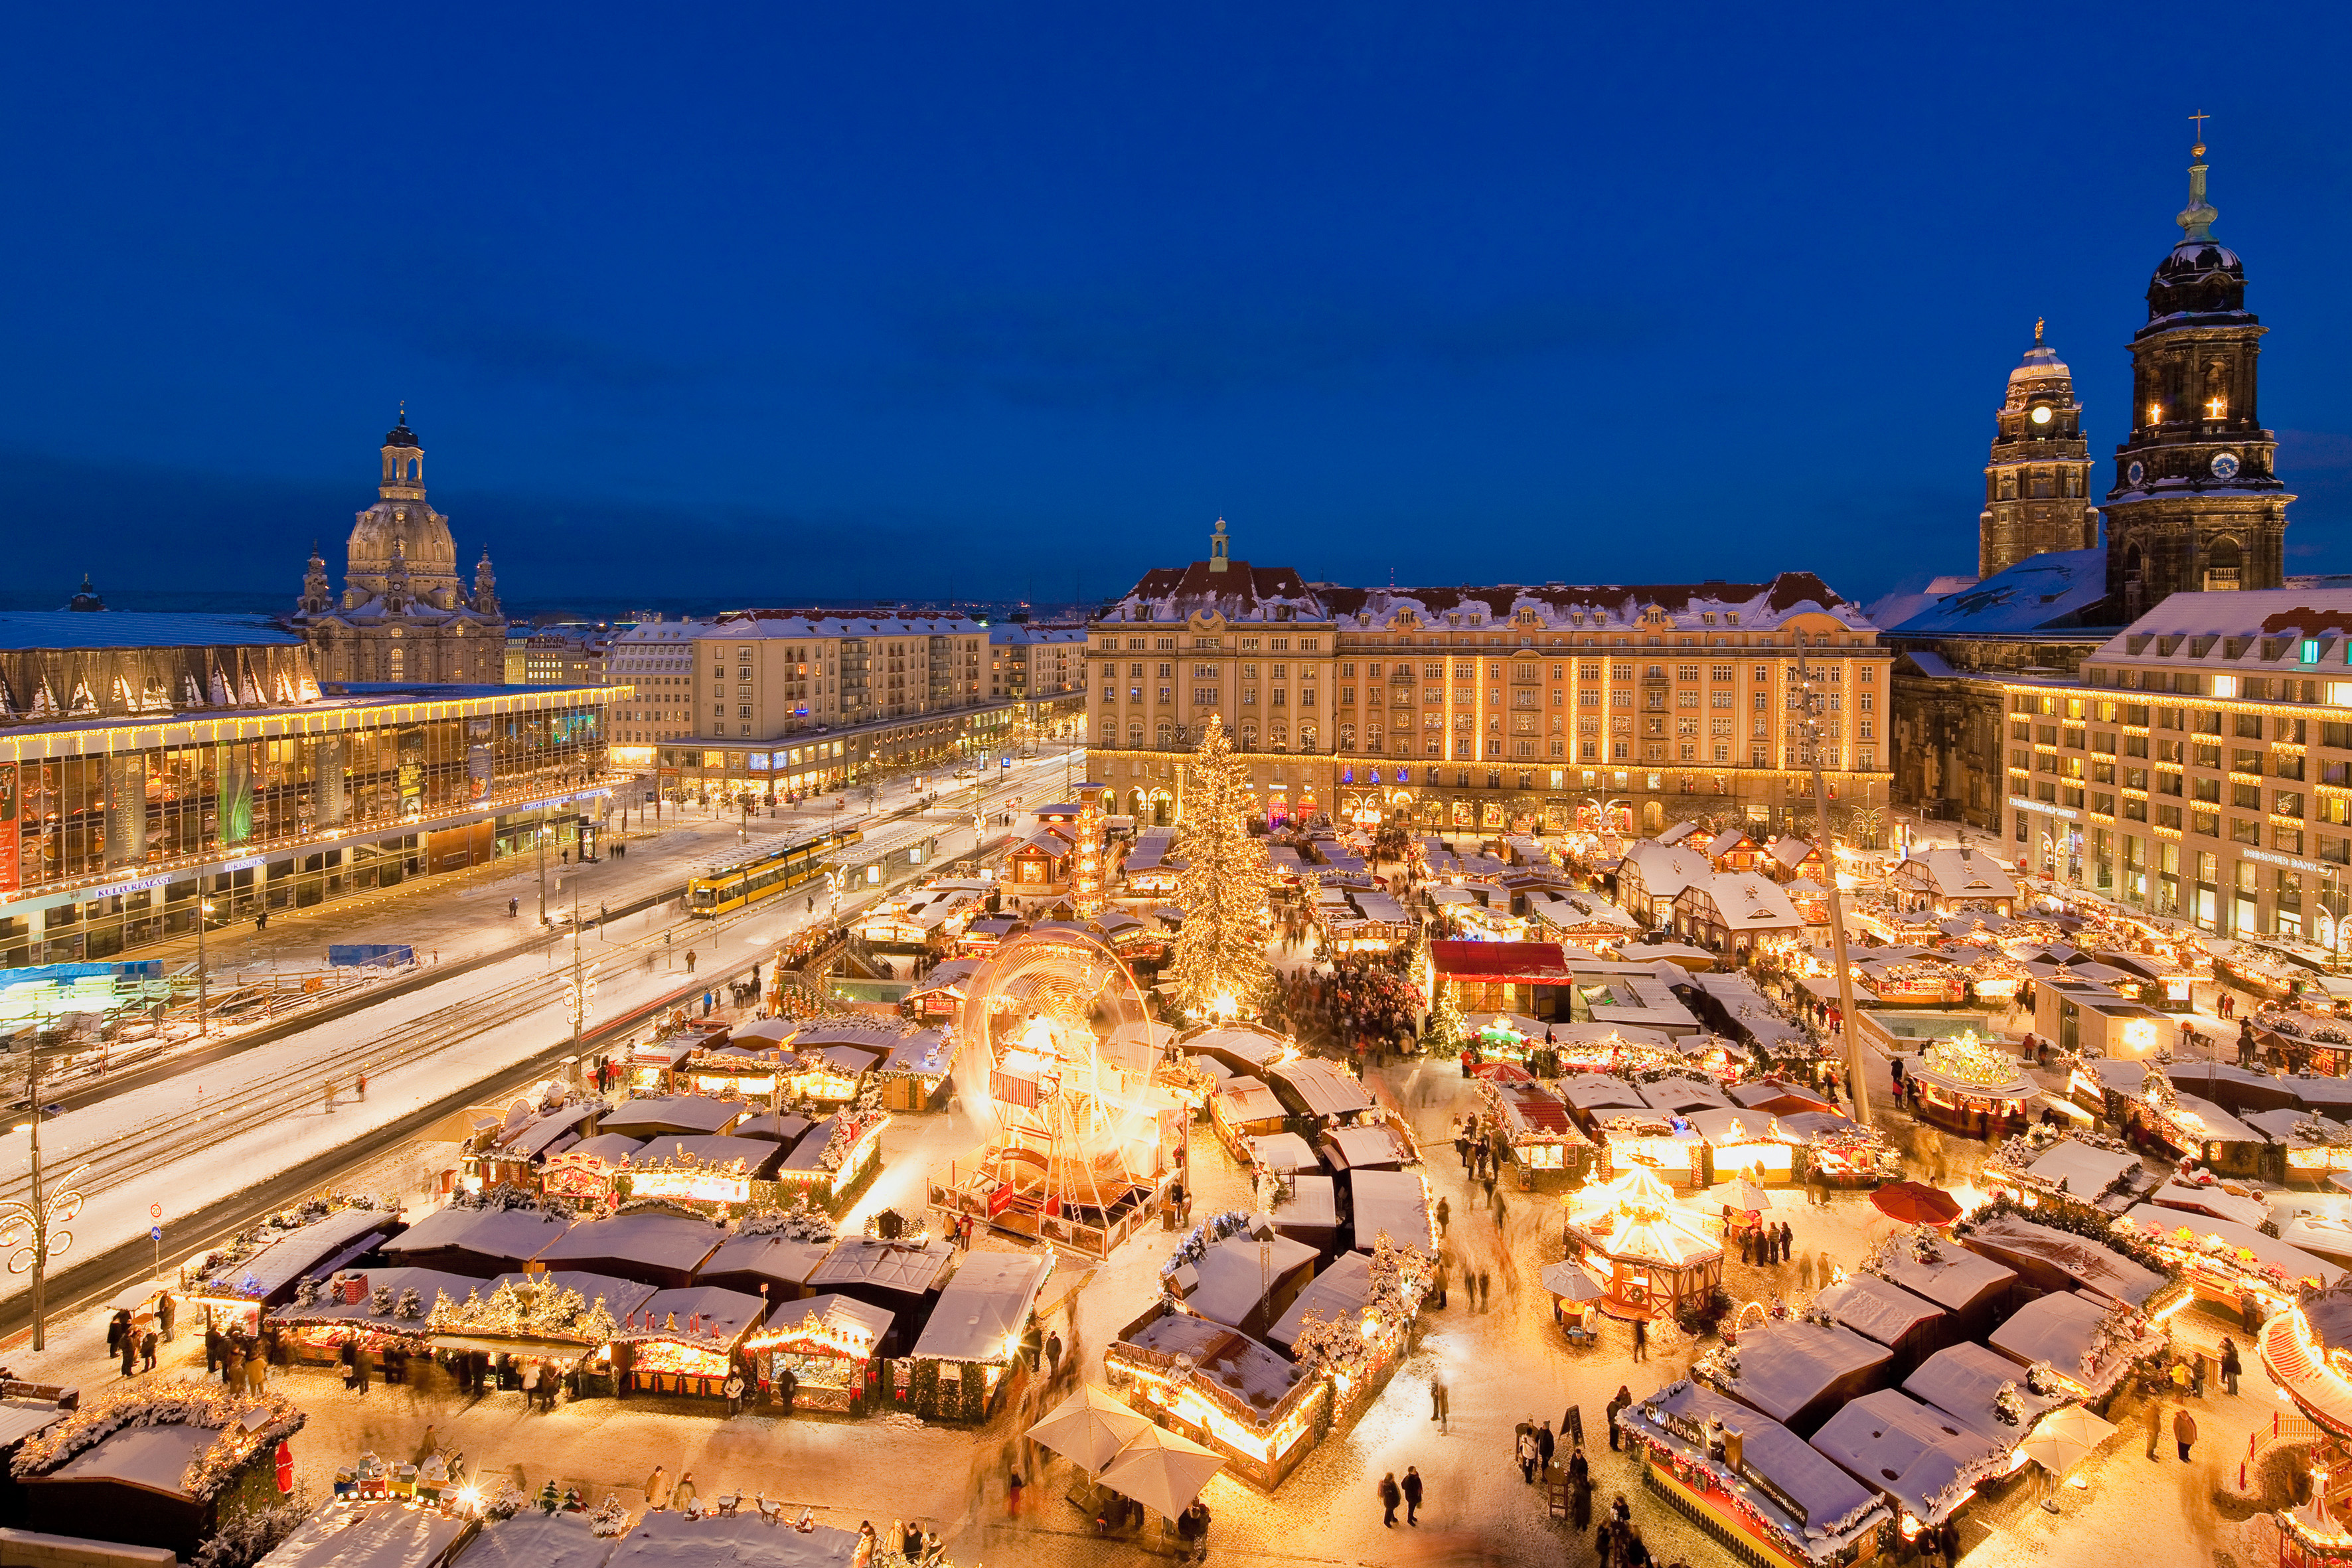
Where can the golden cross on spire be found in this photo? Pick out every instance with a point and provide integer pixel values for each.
(2200, 117)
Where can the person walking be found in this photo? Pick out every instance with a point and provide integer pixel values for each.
(1445, 1219)
(657, 1490)
(2184, 1431)
(166, 1311)
(1437, 1283)
(1624, 1396)
(1437, 1402)
(1547, 1444)
(1529, 1453)
(2155, 1422)
(118, 1327)
(1580, 1489)
(214, 1347)
(147, 1350)
(2230, 1366)
(1391, 1495)
(1788, 1241)
(1485, 1291)
(1641, 1340)
(1412, 1494)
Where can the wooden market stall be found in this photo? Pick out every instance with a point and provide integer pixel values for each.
(775, 1266)
(1974, 1290)
(2091, 1345)
(156, 1462)
(563, 1319)
(975, 1330)
(1219, 1387)
(1394, 1203)
(655, 1247)
(1882, 1311)
(478, 1242)
(1543, 1139)
(1910, 1453)
(1243, 1283)
(1976, 1090)
(382, 1310)
(821, 1352)
(1654, 1258)
(1798, 1372)
(230, 1285)
(686, 1341)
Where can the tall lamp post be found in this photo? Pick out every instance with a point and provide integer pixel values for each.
(35, 1228)
(1810, 701)
(542, 835)
(579, 995)
(204, 919)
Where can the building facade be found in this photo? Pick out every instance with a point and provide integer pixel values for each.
(1499, 709)
(654, 660)
(1041, 671)
(2200, 766)
(405, 614)
(2038, 477)
(782, 702)
(147, 759)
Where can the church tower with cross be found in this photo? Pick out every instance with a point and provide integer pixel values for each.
(2038, 477)
(2197, 504)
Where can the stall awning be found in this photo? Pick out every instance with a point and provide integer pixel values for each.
(545, 1349)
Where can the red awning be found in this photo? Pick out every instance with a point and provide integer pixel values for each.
(1501, 962)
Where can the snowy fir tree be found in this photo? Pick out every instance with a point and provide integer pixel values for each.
(1446, 1031)
(1220, 960)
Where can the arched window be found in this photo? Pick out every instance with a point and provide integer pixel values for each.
(1347, 737)
(1372, 737)
(1306, 737)
(1249, 737)
(1165, 735)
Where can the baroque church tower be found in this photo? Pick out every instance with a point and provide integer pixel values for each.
(2197, 504)
(2038, 479)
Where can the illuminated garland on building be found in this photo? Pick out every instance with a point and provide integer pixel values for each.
(1970, 1060)
(210, 1405)
(526, 1311)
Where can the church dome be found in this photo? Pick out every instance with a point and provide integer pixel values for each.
(401, 435)
(2201, 277)
(422, 533)
(2042, 364)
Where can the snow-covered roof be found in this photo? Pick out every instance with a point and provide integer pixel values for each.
(1231, 1278)
(153, 1458)
(2059, 591)
(330, 1309)
(898, 1266)
(843, 1315)
(1391, 1203)
(1683, 1094)
(1952, 872)
(2259, 632)
(1789, 1365)
(1876, 1308)
(688, 1113)
(381, 1534)
(2087, 1169)
(1567, 608)
(668, 1149)
(535, 1540)
(1745, 900)
(20, 1418)
(1241, 1100)
(2268, 1251)
(2059, 1328)
(1232, 1359)
(1355, 1148)
(779, 1259)
(1323, 1087)
(981, 1314)
(313, 1246)
(512, 1236)
(703, 1314)
(1956, 1279)
(669, 1539)
(1602, 1091)
(1832, 1503)
(1337, 1293)
(1665, 869)
(621, 1297)
(1912, 1452)
(1313, 1204)
(2091, 1266)
(1964, 1380)
(1284, 1152)
(666, 1241)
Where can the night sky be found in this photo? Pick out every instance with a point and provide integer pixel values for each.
(699, 304)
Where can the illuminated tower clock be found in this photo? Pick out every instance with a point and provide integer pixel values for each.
(2197, 504)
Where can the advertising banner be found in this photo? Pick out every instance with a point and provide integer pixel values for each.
(7, 827)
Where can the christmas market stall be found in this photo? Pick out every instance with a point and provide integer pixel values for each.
(1911, 1455)
(387, 1532)
(1966, 1086)
(832, 1162)
(2048, 1257)
(563, 1320)
(975, 1331)
(1306, 1208)
(939, 996)
(684, 1340)
(478, 1239)
(1744, 1143)
(682, 1115)
(1839, 1150)
(821, 1352)
(1545, 1144)
(584, 1173)
(655, 1244)
(1797, 1371)
(2084, 1170)
(745, 1538)
(1973, 1288)
(1353, 1323)
(2231, 1265)
(2088, 1344)
(162, 1464)
(720, 1171)
(904, 1276)
(656, 1067)
(1976, 1387)
(230, 1285)
(1371, 1144)
(382, 1310)
(510, 1153)
(775, 1265)
(1655, 1258)
(1751, 1482)
(1884, 1312)
(1219, 1387)
(1394, 1203)
(1244, 1109)
(1240, 1282)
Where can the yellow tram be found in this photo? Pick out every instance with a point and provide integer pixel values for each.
(762, 875)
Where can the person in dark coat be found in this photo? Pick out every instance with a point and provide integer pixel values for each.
(1788, 1241)
(1391, 1495)
(116, 1327)
(2231, 1366)
(1579, 1489)
(214, 1346)
(1412, 1494)
(1624, 1398)
(147, 1350)
(166, 1311)
(130, 1354)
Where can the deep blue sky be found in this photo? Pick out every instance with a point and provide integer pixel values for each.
(763, 303)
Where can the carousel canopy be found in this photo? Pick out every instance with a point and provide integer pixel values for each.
(1635, 1218)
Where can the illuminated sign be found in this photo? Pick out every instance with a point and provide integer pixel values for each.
(2019, 803)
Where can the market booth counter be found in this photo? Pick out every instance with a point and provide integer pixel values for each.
(821, 1352)
(1742, 1142)
(159, 1463)
(684, 1340)
(479, 1243)
(655, 1247)
(1218, 1387)
(384, 1310)
(975, 1330)
(1544, 1141)
(231, 1285)
(1796, 1372)
(1757, 1486)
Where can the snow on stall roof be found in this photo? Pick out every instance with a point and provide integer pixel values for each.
(1964, 1380)
(664, 1240)
(535, 1540)
(1956, 1279)
(1231, 1278)
(515, 1234)
(779, 1258)
(1834, 1502)
(610, 1147)
(1876, 1308)
(298, 1252)
(670, 1540)
(621, 1297)
(2060, 1329)
(374, 1535)
(1324, 1087)
(1353, 1148)
(1600, 1092)
(777, 1127)
(1392, 1202)
(429, 1284)
(899, 1266)
(1284, 1152)
(153, 1458)
(984, 1307)
(2090, 1264)
(1246, 1099)
(1788, 1364)
(703, 1313)
(1239, 1365)
(1254, 1047)
(2087, 1169)
(1339, 1292)
(835, 1312)
(689, 1113)
(1682, 1094)
(2210, 1197)
(1912, 1452)
(668, 1148)
(1313, 1204)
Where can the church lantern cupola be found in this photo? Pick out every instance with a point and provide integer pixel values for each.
(404, 463)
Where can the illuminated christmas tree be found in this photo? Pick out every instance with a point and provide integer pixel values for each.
(1447, 1029)
(1220, 967)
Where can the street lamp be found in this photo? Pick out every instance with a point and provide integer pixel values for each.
(1809, 702)
(35, 1227)
(204, 914)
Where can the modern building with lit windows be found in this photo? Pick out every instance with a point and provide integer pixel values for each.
(1496, 709)
(146, 758)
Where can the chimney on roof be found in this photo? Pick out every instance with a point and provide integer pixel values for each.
(1219, 547)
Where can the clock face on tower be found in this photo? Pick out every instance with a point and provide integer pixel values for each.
(2225, 465)
(2135, 473)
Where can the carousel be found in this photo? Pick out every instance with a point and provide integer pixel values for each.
(1651, 1257)
(2307, 1351)
(1057, 1067)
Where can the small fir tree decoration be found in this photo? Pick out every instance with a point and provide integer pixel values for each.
(412, 1305)
(379, 1300)
(1220, 967)
(1447, 1028)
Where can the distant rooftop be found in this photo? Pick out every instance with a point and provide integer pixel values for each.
(30, 631)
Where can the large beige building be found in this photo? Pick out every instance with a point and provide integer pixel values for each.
(1499, 707)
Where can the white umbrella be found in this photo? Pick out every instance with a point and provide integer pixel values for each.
(1162, 1471)
(1742, 1194)
(1569, 1280)
(1089, 1427)
(2064, 1438)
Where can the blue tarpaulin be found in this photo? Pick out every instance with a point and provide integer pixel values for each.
(365, 952)
(59, 974)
